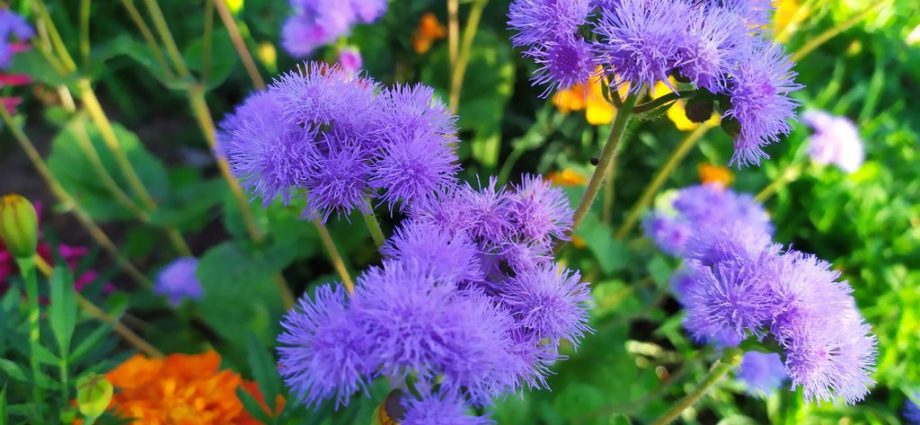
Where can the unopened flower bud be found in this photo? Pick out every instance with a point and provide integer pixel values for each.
(18, 225)
(699, 109)
(94, 393)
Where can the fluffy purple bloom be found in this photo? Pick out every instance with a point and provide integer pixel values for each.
(417, 135)
(835, 140)
(350, 59)
(669, 233)
(564, 62)
(318, 22)
(439, 410)
(754, 13)
(735, 241)
(707, 49)
(911, 411)
(639, 40)
(681, 282)
(448, 209)
(731, 298)
(549, 303)
(420, 323)
(337, 180)
(177, 281)
(12, 26)
(317, 95)
(536, 22)
(762, 373)
(490, 213)
(760, 86)
(540, 210)
(268, 156)
(452, 255)
(322, 352)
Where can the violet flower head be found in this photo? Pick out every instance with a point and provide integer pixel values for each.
(762, 373)
(13, 28)
(318, 22)
(350, 59)
(318, 95)
(439, 410)
(452, 255)
(322, 352)
(835, 140)
(639, 40)
(540, 210)
(536, 22)
(548, 303)
(178, 282)
(564, 62)
(490, 212)
(911, 411)
(420, 323)
(760, 87)
(417, 135)
(337, 181)
(753, 13)
(707, 49)
(669, 233)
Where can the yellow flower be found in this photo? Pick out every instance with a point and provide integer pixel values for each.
(789, 14)
(181, 390)
(567, 177)
(710, 173)
(590, 97)
(677, 113)
(429, 30)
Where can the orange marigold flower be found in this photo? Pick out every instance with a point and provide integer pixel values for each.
(567, 177)
(429, 30)
(182, 389)
(718, 174)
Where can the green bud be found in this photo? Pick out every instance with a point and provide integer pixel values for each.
(94, 393)
(18, 226)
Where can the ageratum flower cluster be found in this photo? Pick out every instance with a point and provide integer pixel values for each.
(340, 139)
(835, 140)
(13, 30)
(738, 285)
(318, 22)
(716, 47)
(466, 306)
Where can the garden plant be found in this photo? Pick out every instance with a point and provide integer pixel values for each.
(459, 212)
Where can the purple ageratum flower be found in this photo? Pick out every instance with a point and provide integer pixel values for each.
(762, 373)
(681, 282)
(706, 51)
(639, 40)
(761, 83)
(318, 22)
(322, 352)
(439, 410)
(177, 281)
(669, 233)
(337, 181)
(735, 241)
(12, 26)
(536, 22)
(447, 209)
(753, 13)
(350, 59)
(318, 95)
(522, 257)
(420, 323)
(835, 141)
(564, 62)
(417, 135)
(911, 411)
(731, 298)
(548, 303)
(452, 255)
(490, 213)
(540, 210)
(268, 156)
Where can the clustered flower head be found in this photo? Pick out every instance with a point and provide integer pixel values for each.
(716, 47)
(14, 30)
(911, 410)
(178, 282)
(180, 389)
(319, 22)
(738, 285)
(340, 139)
(835, 140)
(467, 305)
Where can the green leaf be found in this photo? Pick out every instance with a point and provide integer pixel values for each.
(223, 58)
(4, 415)
(76, 172)
(264, 370)
(252, 406)
(62, 313)
(239, 292)
(188, 206)
(611, 254)
(12, 370)
(32, 63)
(45, 356)
(89, 342)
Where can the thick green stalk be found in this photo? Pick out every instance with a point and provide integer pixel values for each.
(148, 36)
(56, 41)
(27, 270)
(373, 226)
(85, 8)
(610, 151)
(239, 44)
(334, 256)
(463, 57)
(661, 176)
(730, 359)
(162, 28)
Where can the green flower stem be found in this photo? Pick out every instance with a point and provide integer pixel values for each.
(56, 41)
(69, 202)
(463, 56)
(239, 44)
(337, 262)
(162, 29)
(730, 359)
(792, 172)
(373, 226)
(27, 270)
(148, 37)
(85, 9)
(611, 150)
(677, 155)
(830, 33)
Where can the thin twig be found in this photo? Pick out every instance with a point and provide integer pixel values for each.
(830, 33)
(239, 44)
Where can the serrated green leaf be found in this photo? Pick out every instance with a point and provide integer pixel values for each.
(264, 371)
(62, 313)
